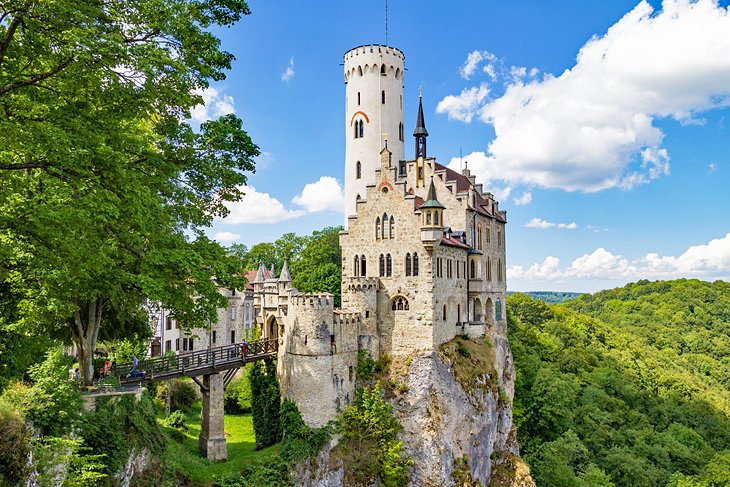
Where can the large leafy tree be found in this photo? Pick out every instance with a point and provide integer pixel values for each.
(105, 189)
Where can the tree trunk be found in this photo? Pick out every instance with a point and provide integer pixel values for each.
(84, 332)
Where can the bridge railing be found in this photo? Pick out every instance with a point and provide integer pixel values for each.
(187, 363)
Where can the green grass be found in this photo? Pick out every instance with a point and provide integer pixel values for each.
(183, 460)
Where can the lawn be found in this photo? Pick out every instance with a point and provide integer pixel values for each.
(183, 459)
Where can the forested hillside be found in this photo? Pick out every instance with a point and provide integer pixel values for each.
(626, 387)
(549, 296)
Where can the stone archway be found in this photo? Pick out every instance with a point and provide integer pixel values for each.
(271, 329)
(477, 312)
(489, 312)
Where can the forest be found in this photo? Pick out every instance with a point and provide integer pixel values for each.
(629, 386)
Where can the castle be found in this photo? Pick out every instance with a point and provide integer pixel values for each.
(423, 253)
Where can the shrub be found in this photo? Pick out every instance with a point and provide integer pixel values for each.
(265, 403)
(299, 441)
(82, 469)
(181, 394)
(52, 403)
(14, 445)
(365, 365)
(237, 397)
(176, 419)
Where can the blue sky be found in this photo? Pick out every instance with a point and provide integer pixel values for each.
(603, 127)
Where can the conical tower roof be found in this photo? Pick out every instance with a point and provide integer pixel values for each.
(420, 123)
(431, 200)
(260, 274)
(285, 276)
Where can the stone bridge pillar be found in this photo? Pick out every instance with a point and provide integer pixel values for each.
(212, 440)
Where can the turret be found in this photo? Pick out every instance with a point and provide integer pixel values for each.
(373, 108)
(420, 134)
(432, 219)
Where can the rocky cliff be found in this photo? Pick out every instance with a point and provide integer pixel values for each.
(455, 406)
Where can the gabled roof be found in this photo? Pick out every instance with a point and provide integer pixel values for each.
(481, 205)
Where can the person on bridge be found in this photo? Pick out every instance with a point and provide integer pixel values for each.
(135, 363)
(244, 349)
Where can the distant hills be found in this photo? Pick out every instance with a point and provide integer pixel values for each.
(549, 296)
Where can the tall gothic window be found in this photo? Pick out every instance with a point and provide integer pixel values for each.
(392, 227)
(479, 237)
(357, 132)
(362, 266)
(499, 270)
(382, 265)
(408, 264)
(489, 268)
(399, 303)
(385, 224)
(377, 228)
(388, 266)
(444, 312)
(415, 264)
(400, 132)
(472, 270)
(498, 310)
(358, 170)
(357, 266)
(362, 128)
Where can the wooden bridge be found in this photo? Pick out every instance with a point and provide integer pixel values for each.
(216, 367)
(200, 362)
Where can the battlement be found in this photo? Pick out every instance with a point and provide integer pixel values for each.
(362, 283)
(375, 49)
(370, 59)
(346, 316)
(312, 300)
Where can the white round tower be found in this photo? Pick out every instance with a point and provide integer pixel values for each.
(373, 111)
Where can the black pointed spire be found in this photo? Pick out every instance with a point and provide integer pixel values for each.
(420, 124)
(420, 133)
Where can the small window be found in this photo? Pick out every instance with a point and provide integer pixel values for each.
(377, 228)
(385, 224)
(428, 218)
(408, 264)
(458, 313)
(392, 227)
(399, 303)
(402, 168)
(498, 310)
(168, 323)
(444, 316)
(382, 265)
(177, 344)
(234, 313)
(358, 94)
(400, 132)
(362, 266)
(435, 217)
(168, 346)
(499, 270)
(388, 266)
(415, 264)
(472, 270)
(362, 128)
(382, 70)
(358, 170)
(357, 131)
(356, 269)
(382, 97)
(215, 336)
(233, 336)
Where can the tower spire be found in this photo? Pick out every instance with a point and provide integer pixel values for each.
(420, 133)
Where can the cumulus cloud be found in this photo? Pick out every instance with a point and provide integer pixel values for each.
(472, 63)
(288, 72)
(325, 194)
(712, 166)
(543, 224)
(710, 260)
(226, 236)
(259, 208)
(215, 105)
(525, 199)
(464, 106)
(592, 127)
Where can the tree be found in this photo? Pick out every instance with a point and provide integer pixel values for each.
(320, 267)
(104, 187)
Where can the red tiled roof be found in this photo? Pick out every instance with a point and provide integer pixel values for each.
(454, 242)
(462, 184)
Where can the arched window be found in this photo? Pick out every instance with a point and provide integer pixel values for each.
(479, 237)
(435, 217)
(358, 170)
(382, 69)
(382, 97)
(444, 313)
(357, 266)
(377, 228)
(399, 303)
(392, 227)
(408, 264)
(489, 268)
(382, 265)
(363, 269)
(357, 131)
(359, 73)
(428, 218)
(385, 224)
(362, 128)
(498, 310)
(499, 270)
(397, 73)
(400, 132)
(388, 266)
(415, 264)
(499, 238)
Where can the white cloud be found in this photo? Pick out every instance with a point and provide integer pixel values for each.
(592, 127)
(464, 106)
(525, 199)
(325, 194)
(215, 105)
(710, 260)
(288, 72)
(472, 62)
(712, 166)
(543, 224)
(226, 236)
(259, 208)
